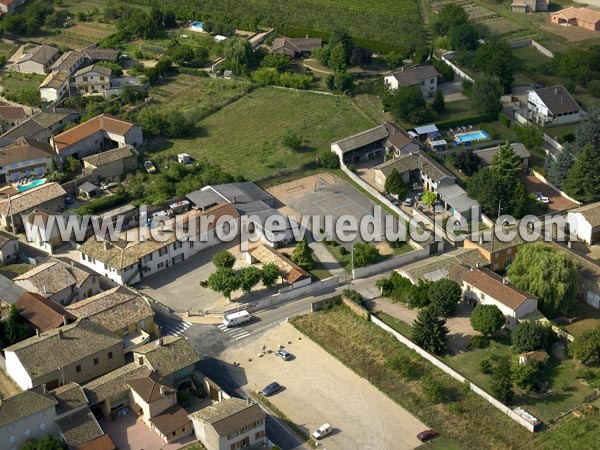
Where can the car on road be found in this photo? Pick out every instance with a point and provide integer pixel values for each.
(286, 356)
(236, 318)
(322, 431)
(271, 389)
(427, 435)
(408, 201)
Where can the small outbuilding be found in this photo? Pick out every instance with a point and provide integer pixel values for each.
(88, 190)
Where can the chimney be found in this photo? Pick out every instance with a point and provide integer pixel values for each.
(45, 290)
(60, 333)
(37, 332)
(163, 391)
(477, 264)
(65, 321)
(249, 400)
(233, 200)
(140, 361)
(504, 280)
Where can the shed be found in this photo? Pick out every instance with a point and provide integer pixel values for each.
(184, 158)
(88, 190)
(425, 130)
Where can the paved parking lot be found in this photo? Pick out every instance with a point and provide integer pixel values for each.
(179, 288)
(317, 389)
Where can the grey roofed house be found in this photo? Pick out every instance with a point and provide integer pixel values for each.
(70, 397)
(558, 100)
(591, 213)
(173, 355)
(41, 123)
(109, 156)
(487, 154)
(412, 161)
(88, 188)
(415, 75)
(295, 46)
(229, 415)
(457, 198)
(44, 354)
(23, 405)
(93, 68)
(362, 139)
(114, 383)
(55, 79)
(40, 54)
(78, 428)
(398, 137)
(439, 266)
(69, 61)
(53, 276)
(9, 290)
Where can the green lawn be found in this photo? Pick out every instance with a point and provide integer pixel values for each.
(590, 319)
(572, 433)
(16, 83)
(14, 270)
(245, 137)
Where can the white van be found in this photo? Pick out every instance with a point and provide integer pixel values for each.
(237, 318)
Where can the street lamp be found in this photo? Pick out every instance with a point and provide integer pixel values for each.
(352, 257)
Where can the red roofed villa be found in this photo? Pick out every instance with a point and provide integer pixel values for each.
(96, 135)
(577, 17)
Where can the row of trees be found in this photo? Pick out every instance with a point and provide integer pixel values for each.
(226, 280)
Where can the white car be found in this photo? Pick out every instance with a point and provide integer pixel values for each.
(543, 199)
(322, 431)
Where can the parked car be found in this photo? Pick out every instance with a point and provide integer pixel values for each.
(427, 435)
(408, 201)
(543, 199)
(418, 196)
(286, 356)
(149, 166)
(271, 389)
(322, 431)
(69, 200)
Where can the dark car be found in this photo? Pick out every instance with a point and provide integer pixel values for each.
(69, 200)
(427, 435)
(271, 389)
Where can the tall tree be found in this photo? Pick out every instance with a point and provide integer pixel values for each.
(451, 15)
(495, 59)
(223, 258)
(531, 335)
(225, 281)
(486, 93)
(559, 168)
(467, 161)
(429, 331)
(586, 347)
(444, 295)
(588, 131)
(249, 277)
(438, 104)
(583, 179)
(340, 36)
(270, 275)
(502, 385)
(302, 255)
(464, 37)
(549, 275)
(337, 58)
(487, 319)
(506, 162)
(394, 184)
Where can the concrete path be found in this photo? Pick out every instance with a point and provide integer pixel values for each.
(326, 258)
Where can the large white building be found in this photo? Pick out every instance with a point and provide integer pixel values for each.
(134, 257)
(553, 106)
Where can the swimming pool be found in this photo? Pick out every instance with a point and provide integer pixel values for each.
(34, 183)
(471, 136)
(197, 26)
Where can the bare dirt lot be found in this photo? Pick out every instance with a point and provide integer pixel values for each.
(557, 201)
(317, 389)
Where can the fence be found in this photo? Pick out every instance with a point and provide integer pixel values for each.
(531, 425)
(543, 179)
(461, 73)
(390, 264)
(539, 47)
(552, 142)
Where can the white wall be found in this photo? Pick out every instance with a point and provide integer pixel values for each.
(16, 371)
(579, 226)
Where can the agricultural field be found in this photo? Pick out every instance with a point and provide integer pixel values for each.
(379, 24)
(202, 95)
(503, 27)
(245, 137)
(80, 35)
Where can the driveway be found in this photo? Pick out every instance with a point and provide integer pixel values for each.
(178, 287)
(452, 90)
(129, 432)
(317, 389)
(460, 327)
(557, 201)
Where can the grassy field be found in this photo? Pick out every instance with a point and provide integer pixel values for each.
(80, 35)
(464, 420)
(382, 24)
(245, 137)
(572, 434)
(16, 83)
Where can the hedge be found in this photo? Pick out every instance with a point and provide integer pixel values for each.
(102, 204)
(481, 118)
(504, 119)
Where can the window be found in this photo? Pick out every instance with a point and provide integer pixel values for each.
(257, 436)
(183, 429)
(162, 251)
(177, 245)
(96, 361)
(110, 355)
(78, 368)
(507, 262)
(432, 81)
(257, 423)
(160, 265)
(509, 250)
(423, 83)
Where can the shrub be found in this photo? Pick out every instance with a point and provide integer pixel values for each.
(354, 296)
(594, 88)
(329, 160)
(343, 251)
(433, 390)
(403, 364)
(504, 119)
(486, 366)
(103, 204)
(479, 341)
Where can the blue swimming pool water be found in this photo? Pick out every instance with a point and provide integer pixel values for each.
(198, 25)
(33, 184)
(476, 135)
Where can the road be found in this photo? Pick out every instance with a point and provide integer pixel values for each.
(210, 341)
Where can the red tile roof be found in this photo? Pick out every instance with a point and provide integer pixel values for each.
(94, 125)
(41, 312)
